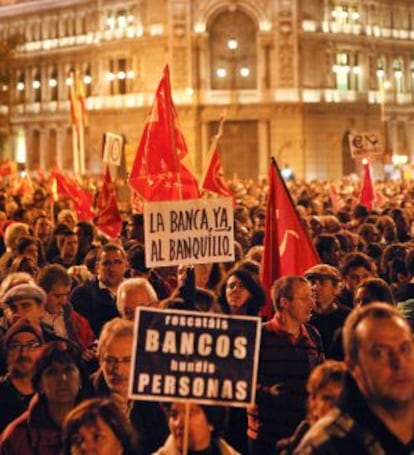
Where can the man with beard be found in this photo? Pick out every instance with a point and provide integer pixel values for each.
(20, 347)
(375, 412)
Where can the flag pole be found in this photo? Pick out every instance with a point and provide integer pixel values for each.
(214, 143)
(75, 149)
(172, 135)
(81, 148)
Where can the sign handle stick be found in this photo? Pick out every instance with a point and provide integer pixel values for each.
(186, 427)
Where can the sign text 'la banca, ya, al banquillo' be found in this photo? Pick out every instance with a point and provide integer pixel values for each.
(188, 355)
(197, 231)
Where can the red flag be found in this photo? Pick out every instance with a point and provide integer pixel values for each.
(367, 195)
(109, 219)
(82, 201)
(158, 173)
(7, 168)
(214, 177)
(288, 250)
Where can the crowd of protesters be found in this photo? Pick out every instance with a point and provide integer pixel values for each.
(336, 365)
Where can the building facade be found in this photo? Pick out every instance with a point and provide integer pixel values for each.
(294, 76)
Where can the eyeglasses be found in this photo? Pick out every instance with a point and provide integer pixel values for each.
(30, 346)
(113, 362)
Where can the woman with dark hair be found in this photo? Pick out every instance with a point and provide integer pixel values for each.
(241, 293)
(60, 382)
(98, 426)
(206, 423)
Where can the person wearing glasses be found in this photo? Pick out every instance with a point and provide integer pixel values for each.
(289, 349)
(112, 379)
(240, 293)
(96, 298)
(20, 348)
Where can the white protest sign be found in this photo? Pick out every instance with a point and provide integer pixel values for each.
(197, 231)
(113, 148)
(190, 355)
(363, 144)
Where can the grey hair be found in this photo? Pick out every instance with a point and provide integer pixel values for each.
(113, 329)
(13, 233)
(131, 284)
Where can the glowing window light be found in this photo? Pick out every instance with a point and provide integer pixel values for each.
(232, 44)
(221, 73)
(244, 72)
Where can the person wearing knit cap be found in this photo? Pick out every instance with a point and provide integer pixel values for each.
(19, 346)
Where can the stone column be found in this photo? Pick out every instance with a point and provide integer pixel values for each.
(264, 153)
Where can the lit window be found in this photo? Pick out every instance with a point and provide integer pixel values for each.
(221, 73)
(244, 71)
(232, 44)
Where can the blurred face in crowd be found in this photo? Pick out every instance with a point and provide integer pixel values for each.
(199, 435)
(300, 306)
(60, 383)
(57, 297)
(69, 246)
(355, 276)
(95, 438)
(69, 219)
(325, 291)
(43, 228)
(130, 299)
(324, 399)
(111, 268)
(29, 308)
(134, 231)
(32, 251)
(236, 294)
(116, 364)
(333, 256)
(384, 370)
(22, 352)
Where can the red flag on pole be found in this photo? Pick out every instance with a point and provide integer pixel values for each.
(288, 250)
(367, 195)
(109, 219)
(82, 201)
(214, 177)
(158, 173)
